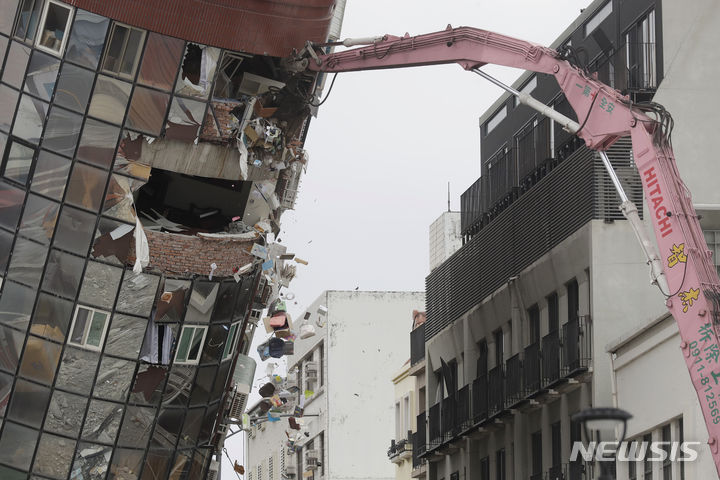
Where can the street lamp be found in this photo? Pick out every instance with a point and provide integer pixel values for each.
(604, 423)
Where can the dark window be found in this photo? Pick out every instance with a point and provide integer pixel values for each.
(647, 464)
(641, 61)
(536, 447)
(553, 313)
(632, 469)
(500, 464)
(28, 19)
(455, 476)
(123, 50)
(53, 26)
(534, 324)
(485, 468)
(573, 300)
(499, 348)
(556, 445)
(667, 464)
(482, 361)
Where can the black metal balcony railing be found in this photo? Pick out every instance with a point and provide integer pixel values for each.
(537, 476)
(462, 417)
(532, 369)
(556, 473)
(419, 440)
(447, 421)
(631, 68)
(577, 345)
(480, 399)
(496, 390)
(400, 446)
(434, 426)
(577, 471)
(417, 345)
(551, 358)
(513, 379)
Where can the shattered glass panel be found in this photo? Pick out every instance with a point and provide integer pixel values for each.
(184, 119)
(16, 305)
(63, 274)
(50, 175)
(86, 41)
(17, 445)
(100, 285)
(62, 131)
(74, 87)
(197, 71)
(147, 110)
(28, 403)
(191, 428)
(97, 144)
(112, 250)
(30, 117)
(86, 187)
(16, 64)
(27, 262)
(9, 98)
(74, 231)
(12, 342)
(77, 370)
(39, 217)
(125, 336)
(65, 413)
(156, 464)
(40, 360)
(41, 75)
(126, 464)
(160, 61)
(118, 200)
(52, 317)
(11, 202)
(137, 293)
(102, 421)
(114, 379)
(202, 301)
(54, 456)
(91, 461)
(149, 384)
(136, 427)
(19, 162)
(110, 99)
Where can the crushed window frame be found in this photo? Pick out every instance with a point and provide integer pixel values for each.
(87, 327)
(43, 32)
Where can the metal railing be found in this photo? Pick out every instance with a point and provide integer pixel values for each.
(447, 419)
(417, 345)
(496, 390)
(551, 358)
(480, 399)
(515, 390)
(419, 441)
(462, 415)
(577, 345)
(434, 426)
(532, 370)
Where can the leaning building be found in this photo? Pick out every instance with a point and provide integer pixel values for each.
(147, 152)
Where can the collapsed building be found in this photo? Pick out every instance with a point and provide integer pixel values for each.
(148, 153)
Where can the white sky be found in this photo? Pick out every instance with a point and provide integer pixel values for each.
(386, 143)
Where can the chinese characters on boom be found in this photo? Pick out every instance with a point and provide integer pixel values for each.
(604, 103)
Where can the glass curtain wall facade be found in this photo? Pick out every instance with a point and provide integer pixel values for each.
(97, 379)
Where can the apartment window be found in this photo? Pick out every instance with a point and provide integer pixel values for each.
(231, 341)
(53, 27)
(481, 368)
(553, 313)
(495, 120)
(598, 18)
(640, 53)
(27, 21)
(536, 452)
(573, 300)
(556, 453)
(667, 464)
(320, 362)
(123, 50)
(500, 464)
(89, 327)
(406, 418)
(529, 86)
(647, 464)
(455, 476)
(398, 421)
(499, 348)
(485, 468)
(190, 344)
(534, 324)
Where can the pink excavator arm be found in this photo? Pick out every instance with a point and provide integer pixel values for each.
(605, 115)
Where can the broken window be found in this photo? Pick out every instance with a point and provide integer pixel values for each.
(197, 71)
(160, 61)
(231, 341)
(229, 75)
(184, 119)
(53, 26)
(87, 39)
(179, 203)
(190, 343)
(88, 327)
(27, 21)
(123, 50)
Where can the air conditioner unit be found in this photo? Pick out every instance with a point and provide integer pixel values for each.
(214, 470)
(252, 84)
(237, 407)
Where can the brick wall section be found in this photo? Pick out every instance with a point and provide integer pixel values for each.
(185, 254)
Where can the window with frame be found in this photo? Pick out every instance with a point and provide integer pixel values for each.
(231, 342)
(54, 26)
(640, 53)
(123, 50)
(89, 327)
(553, 312)
(27, 20)
(533, 324)
(190, 344)
(499, 347)
(500, 464)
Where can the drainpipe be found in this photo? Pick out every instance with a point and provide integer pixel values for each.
(613, 380)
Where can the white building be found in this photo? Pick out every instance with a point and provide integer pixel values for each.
(342, 371)
(445, 238)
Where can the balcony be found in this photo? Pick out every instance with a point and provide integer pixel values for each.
(462, 415)
(480, 399)
(448, 418)
(577, 345)
(417, 345)
(551, 359)
(419, 442)
(434, 427)
(496, 388)
(532, 368)
(401, 449)
(515, 389)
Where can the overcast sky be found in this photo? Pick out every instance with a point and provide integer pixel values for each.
(387, 142)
